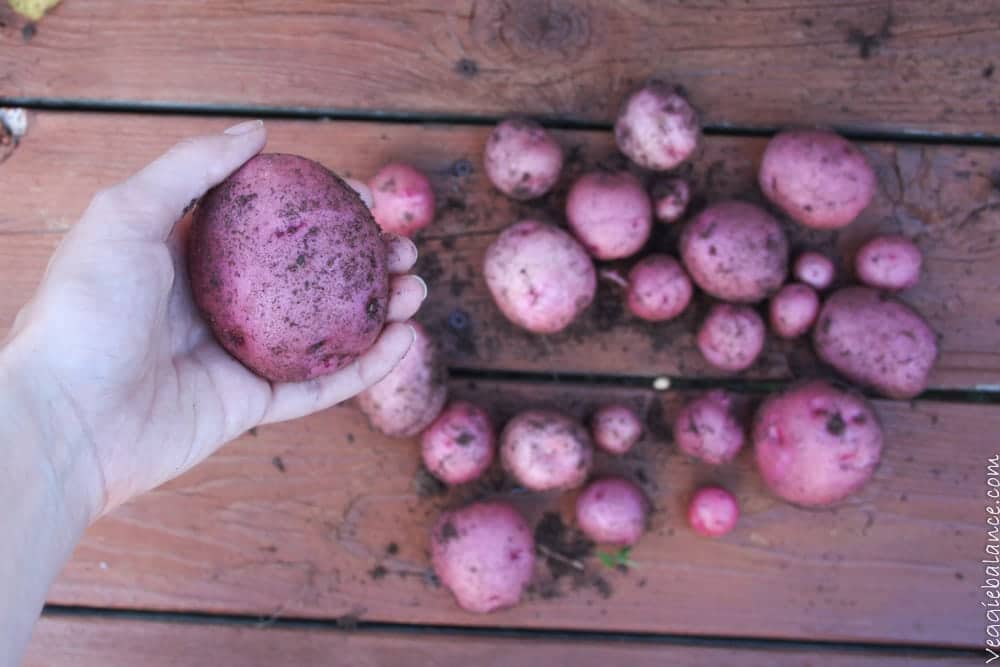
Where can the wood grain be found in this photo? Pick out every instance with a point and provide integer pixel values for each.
(946, 198)
(324, 518)
(91, 642)
(902, 65)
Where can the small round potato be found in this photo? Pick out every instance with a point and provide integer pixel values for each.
(731, 337)
(459, 445)
(546, 450)
(713, 511)
(736, 252)
(484, 554)
(539, 276)
(889, 262)
(612, 511)
(708, 430)
(671, 197)
(657, 128)
(817, 177)
(814, 269)
(793, 310)
(616, 428)
(403, 199)
(610, 213)
(816, 444)
(522, 159)
(658, 288)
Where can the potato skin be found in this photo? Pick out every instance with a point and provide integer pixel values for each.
(610, 214)
(288, 268)
(484, 554)
(539, 276)
(459, 445)
(793, 310)
(713, 511)
(814, 269)
(612, 511)
(657, 128)
(410, 397)
(670, 197)
(736, 252)
(817, 177)
(731, 337)
(546, 450)
(522, 159)
(708, 430)
(615, 428)
(659, 288)
(889, 262)
(403, 199)
(876, 341)
(816, 444)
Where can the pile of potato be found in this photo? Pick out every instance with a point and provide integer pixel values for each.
(815, 442)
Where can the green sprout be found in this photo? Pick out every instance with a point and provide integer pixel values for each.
(618, 559)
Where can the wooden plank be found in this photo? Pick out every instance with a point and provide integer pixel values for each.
(324, 518)
(904, 65)
(947, 198)
(107, 642)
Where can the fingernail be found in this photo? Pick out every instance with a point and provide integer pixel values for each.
(424, 285)
(244, 127)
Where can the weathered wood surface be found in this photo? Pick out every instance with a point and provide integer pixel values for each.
(323, 518)
(901, 65)
(947, 198)
(97, 642)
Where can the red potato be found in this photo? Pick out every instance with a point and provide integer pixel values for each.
(889, 262)
(731, 337)
(817, 177)
(814, 269)
(539, 276)
(403, 199)
(658, 288)
(708, 430)
(616, 428)
(288, 268)
(876, 341)
(657, 128)
(671, 197)
(610, 213)
(459, 445)
(484, 554)
(793, 310)
(612, 511)
(546, 450)
(736, 252)
(713, 511)
(522, 159)
(816, 444)
(411, 396)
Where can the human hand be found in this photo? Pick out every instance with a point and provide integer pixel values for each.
(120, 362)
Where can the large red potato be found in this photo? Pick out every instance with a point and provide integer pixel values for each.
(610, 213)
(545, 450)
(657, 128)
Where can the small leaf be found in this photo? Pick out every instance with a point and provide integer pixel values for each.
(608, 560)
(33, 10)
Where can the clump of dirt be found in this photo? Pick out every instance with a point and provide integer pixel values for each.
(427, 485)
(563, 549)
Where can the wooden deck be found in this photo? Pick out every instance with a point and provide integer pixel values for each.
(306, 543)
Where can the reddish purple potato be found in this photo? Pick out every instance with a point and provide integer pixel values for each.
(657, 128)
(731, 337)
(404, 199)
(484, 554)
(610, 213)
(411, 396)
(546, 450)
(708, 430)
(736, 252)
(817, 177)
(814, 269)
(816, 444)
(612, 511)
(889, 262)
(713, 511)
(459, 445)
(875, 341)
(539, 276)
(671, 197)
(616, 428)
(793, 310)
(522, 159)
(658, 288)
(288, 268)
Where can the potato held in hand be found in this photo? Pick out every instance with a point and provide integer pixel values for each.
(288, 268)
